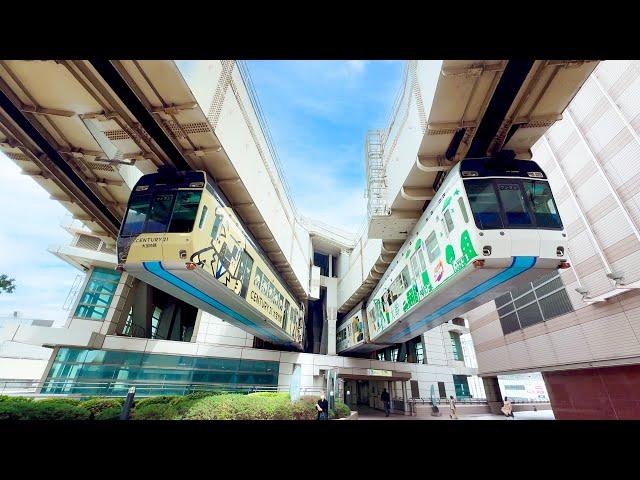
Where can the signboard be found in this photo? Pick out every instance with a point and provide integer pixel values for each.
(379, 373)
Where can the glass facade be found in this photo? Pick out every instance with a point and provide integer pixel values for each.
(456, 346)
(461, 385)
(98, 294)
(111, 372)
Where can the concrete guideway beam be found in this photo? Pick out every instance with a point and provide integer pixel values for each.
(417, 194)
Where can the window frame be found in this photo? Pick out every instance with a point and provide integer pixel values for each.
(502, 212)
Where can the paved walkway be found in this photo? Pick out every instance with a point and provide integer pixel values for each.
(366, 413)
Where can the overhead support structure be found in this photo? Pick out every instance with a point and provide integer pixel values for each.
(480, 107)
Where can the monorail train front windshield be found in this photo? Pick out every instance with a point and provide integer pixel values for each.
(512, 203)
(165, 210)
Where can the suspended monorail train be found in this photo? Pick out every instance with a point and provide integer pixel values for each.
(492, 225)
(179, 236)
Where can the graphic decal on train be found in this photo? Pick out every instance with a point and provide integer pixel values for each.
(482, 195)
(179, 218)
(441, 250)
(351, 331)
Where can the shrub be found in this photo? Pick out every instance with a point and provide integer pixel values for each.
(97, 406)
(111, 413)
(19, 408)
(16, 408)
(153, 411)
(54, 409)
(342, 410)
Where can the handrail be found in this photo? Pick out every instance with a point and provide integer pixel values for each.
(470, 401)
(34, 388)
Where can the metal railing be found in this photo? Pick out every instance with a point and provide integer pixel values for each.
(119, 388)
(243, 69)
(468, 401)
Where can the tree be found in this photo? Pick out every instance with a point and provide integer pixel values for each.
(6, 284)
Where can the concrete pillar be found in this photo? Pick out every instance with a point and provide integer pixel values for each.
(120, 305)
(331, 299)
(494, 396)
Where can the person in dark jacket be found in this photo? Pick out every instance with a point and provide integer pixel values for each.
(386, 400)
(323, 407)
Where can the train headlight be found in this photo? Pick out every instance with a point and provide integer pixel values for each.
(183, 254)
(560, 251)
(469, 173)
(535, 174)
(486, 250)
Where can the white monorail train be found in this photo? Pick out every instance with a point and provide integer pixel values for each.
(493, 224)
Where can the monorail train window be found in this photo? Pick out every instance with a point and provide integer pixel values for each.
(202, 217)
(216, 226)
(448, 221)
(406, 278)
(484, 203)
(185, 210)
(463, 209)
(513, 204)
(544, 207)
(244, 272)
(433, 249)
(423, 265)
(414, 266)
(136, 215)
(160, 213)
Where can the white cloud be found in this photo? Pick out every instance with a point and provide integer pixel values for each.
(29, 223)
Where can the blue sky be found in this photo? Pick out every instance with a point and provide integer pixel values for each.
(318, 113)
(30, 222)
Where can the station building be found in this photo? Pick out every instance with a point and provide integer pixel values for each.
(578, 327)
(122, 332)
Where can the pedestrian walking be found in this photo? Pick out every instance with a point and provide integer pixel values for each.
(323, 407)
(507, 408)
(452, 407)
(386, 401)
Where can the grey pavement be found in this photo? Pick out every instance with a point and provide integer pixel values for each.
(365, 413)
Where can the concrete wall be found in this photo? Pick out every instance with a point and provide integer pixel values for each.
(213, 330)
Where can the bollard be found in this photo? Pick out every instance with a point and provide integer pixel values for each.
(128, 403)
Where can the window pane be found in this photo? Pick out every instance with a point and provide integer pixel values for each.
(529, 315)
(160, 213)
(503, 300)
(528, 298)
(513, 203)
(509, 323)
(448, 221)
(216, 226)
(544, 207)
(484, 203)
(202, 216)
(463, 209)
(184, 211)
(433, 249)
(556, 305)
(136, 215)
(91, 313)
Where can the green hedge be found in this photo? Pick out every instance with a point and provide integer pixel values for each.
(196, 406)
(18, 408)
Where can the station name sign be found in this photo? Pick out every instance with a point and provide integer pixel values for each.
(379, 373)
